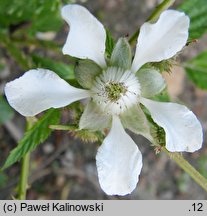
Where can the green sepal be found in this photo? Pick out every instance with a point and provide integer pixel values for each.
(85, 72)
(121, 55)
(84, 135)
(157, 132)
(88, 136)
(151, 81)
(162, 66)
(93, 119)
(135, 120)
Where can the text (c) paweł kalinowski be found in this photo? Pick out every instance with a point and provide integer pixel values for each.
(61, 207)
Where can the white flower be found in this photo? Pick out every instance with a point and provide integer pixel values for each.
(116, 93)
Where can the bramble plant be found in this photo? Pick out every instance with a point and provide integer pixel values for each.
(119, 86)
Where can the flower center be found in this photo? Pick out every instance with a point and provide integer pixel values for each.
(116, 90)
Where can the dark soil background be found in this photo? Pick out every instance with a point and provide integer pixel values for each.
(64, 167)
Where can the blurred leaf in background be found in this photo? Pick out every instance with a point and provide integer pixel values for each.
(197, 11)
(6, 112)
(196, 69)
(34, 136)
(65, 71)
(37, 15)
(202, 163)
(3, 180)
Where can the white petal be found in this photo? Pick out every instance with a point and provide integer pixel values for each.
(38, 90)
(119, 161)
(87, 35)
(182, 128)
(161, 40)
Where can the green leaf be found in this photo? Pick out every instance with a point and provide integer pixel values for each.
(109, 44)
(6, 112)
(197, 70)
(33, 137)
(197, 11)
(85, 72)
(65, 71)
(121, 55)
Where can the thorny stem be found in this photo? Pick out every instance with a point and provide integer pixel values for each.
(188, 168)
(23, 182)
(153, 17)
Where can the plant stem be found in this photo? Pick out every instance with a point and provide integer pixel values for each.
(153, 17)
(63, 127)
(188, 168)
(23, 184)
(23, 178)
(159, 9)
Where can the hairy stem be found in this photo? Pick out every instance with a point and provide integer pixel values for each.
(188, 168)
(153, 17)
